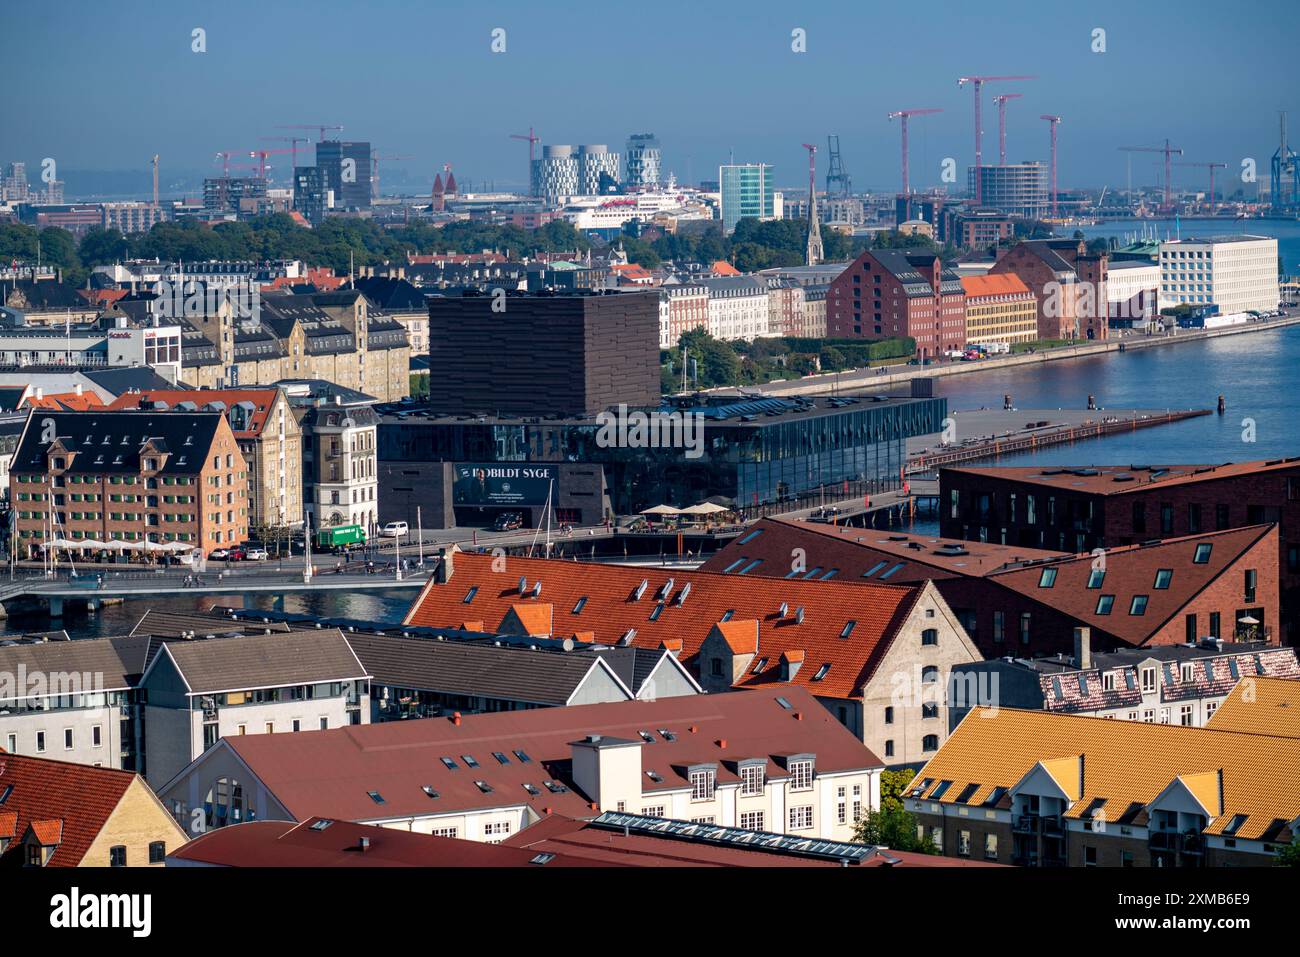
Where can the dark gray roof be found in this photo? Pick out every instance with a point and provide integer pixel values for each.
(164, 624)
(108, 442)
(119, 661)
(119, 381)
(265, 661)
(393, 295)
(543, 677)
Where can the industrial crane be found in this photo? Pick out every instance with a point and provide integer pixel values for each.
(533, 140)
(292, 140)
(1169, 151)
(1001, 101)
(1054, 121)
(261, 155)
(1211, 167)
(978, 83)
(904, 114)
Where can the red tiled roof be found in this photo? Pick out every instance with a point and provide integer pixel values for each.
(611, 610)
(741, 636)
(535, 620)
(8, 824)
(64, 401)
(48, 832)
(330, 773)
(724, 268)
(102, 296)
(262, 400)
(1003, 284)
(78, 798)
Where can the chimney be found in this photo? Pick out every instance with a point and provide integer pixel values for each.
(40, 393)
(364, 844)
(1083, 648)
(445, 567)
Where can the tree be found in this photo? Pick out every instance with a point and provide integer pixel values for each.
(716, 361)
(101, 247)
(894, 828)
(1289, 855)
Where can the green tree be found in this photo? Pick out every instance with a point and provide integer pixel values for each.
(716, 361)
(1289, 855)
(100, 247)
(894, 828)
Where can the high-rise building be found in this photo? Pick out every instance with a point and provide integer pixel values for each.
(644, 160)
(310, 196)
(14, 186)
(1019, 189)
(563, 171)
(747, 192)
(345, 169)
(233, 194)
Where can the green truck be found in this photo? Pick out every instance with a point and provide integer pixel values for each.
(340, 535)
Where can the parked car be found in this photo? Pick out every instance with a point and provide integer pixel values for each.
(238, 553)
(220, 554)
(256, 554)
(394, 530)
(508, 521)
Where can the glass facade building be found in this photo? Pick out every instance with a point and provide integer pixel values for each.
(747, 192)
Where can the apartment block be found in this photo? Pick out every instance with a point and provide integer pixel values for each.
(999, 309)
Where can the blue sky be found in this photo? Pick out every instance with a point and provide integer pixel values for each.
(101, 85)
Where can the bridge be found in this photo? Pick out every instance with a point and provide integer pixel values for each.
(94, 584)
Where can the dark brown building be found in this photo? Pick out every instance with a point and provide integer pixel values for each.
(518, 354)
(1068, 284)
(1081, 509)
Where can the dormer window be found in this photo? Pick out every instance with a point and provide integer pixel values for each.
(703, 781)
(801, 774)
(751, 779)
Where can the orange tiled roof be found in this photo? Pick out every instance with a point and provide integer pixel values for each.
(8, 824)
(64, 402)
(724, 268)
(1004, 284)
(77, 797)
(1259, 705)
(534, 619)
(48, 832)
(741, 636)
(102, 296)
(262, 400)
(612, 610)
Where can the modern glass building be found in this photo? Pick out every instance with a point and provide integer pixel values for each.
(747, 192)
(752, 451)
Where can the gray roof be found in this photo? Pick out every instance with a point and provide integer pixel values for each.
(119, 661)
(265, 661)
(542, 676)
(166, 624)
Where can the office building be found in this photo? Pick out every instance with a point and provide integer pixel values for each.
(1017, 189)
(644, 161)
(999, 309)
(311, 196)
(564, 171)
(1236, 274)
(345, 171)
(748, 192)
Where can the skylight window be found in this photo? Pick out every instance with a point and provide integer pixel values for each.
(581, 604)
(750, 537)
(726, 615)
(449, 764)
(1104, 604)
(736, 564)
(784, 703)
(1163, 577)
(427, 789)
(657, 611)
(821, 672)
(483, 786)
(759, 665)
(655, 776)
(891, 571)
(555, 787)
(666, 734)
(321, 825)
(1202, 555)
(469, 760)
(501, 758)
(532, 789)
(1048, 578)
(522, 756)
(941, 790)
(848, 628)
(1235, 824)
(750, 567)
(1138, 606)
(647, 737)
(469, 596)
(545, 857)
(873, 569)
(376, 797)
(1096, 577)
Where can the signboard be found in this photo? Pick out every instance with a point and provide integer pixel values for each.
(497, 484)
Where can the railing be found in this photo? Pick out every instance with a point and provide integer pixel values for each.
(1025, 824)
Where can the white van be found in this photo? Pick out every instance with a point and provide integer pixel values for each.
(394, 530)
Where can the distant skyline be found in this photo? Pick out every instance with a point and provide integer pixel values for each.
(103, 86)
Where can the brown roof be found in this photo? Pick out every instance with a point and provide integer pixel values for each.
(612, 610)
(1102, 479)
(116, 662)
(338, 844)
(261, 400)
(853, 552)
(331, 773)
(1117, 765)
(209, 666)
(66, 804)
(1259, 705)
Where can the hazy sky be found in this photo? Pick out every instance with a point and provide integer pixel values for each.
(104, 85)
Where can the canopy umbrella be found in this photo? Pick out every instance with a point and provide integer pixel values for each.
(705, 508)
(1248, 620)
(179, 546)
(130, 546)
(155, 547)
(92, 543)
(661, 510)
(60, 543)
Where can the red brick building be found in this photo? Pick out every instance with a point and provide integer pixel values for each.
(1084, 508)
(896, 292)
(124, 479)
(1068, 284)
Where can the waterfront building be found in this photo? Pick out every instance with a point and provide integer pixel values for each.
(130, 481)
(769, 759)
(1068, 284)
(339, 467)
(1133, 294)
(999, 309)
(747, 193)
(847, 642)
(894, 292)
(1040, 789)
(1235, 273)
(1107, 505)
(268, 436)
(814, 311)
(59, 814)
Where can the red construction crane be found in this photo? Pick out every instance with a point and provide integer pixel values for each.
(1001, 101)
(1168, 151)
(321, 127)
(533, 140)
(1054, 121)
(261, 155)
(293, 140)
(1211, 167)
(904, 114)
(374, 170)
(978, 82)
(224, 156)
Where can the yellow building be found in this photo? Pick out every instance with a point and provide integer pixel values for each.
(999, 309)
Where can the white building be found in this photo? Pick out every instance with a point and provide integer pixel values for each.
(738, 307)
(1235, 273)
(1133, 293)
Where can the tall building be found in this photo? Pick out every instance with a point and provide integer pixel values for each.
(1068, 283)
(14, 187)
(563, 171)
(747, 193)
(1019, 189)
(233, 194)
(310, 195)
(893, 292)
(345, 169)
(644, 160)
(1235, 273)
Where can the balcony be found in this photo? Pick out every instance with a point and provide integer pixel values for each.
(1025, 824)
(1052, 827)
(1164, 841)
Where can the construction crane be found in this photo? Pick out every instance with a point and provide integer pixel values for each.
(224, 156)
(155, 180)
(533, 139)
(1054, 121)
(374, 170)
(904, 114)
(1169, 152)
(292, 140)
(835, 169)
(320, 127)
(978, 83)
(261, 155)
(1211, 167)
(1001, 101)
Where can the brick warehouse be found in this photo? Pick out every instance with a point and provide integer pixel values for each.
(129, 477)
(890, 292)
(1075, 307)
(543, 354)
(1084, 508)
